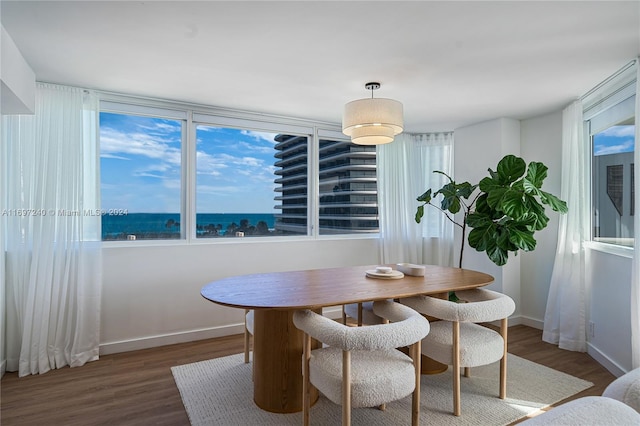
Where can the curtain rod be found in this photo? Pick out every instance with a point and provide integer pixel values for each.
(608, 79)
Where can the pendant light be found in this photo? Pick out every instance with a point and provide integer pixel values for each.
(372, 121)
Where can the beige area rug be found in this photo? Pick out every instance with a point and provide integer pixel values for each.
(220, 392)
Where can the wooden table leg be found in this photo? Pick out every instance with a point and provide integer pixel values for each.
(277, 354)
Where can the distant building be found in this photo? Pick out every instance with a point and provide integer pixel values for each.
(613, 195)
(347, 186)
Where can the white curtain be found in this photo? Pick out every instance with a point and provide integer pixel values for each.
(635, 280)
(405, 171)
(53, 273)
(565, 316)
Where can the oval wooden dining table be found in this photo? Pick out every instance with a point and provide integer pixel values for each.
(275, 296)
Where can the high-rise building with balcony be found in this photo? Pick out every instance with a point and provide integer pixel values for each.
(348, 201)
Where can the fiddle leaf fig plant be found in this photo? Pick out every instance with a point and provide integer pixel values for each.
(504, 209)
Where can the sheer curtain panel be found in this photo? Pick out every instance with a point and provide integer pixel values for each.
(405, 171)
(53, 273)
(565, 316)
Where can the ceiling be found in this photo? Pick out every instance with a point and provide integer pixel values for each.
(450, 63)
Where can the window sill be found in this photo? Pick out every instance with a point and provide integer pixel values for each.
(614, 249)
(245, 240)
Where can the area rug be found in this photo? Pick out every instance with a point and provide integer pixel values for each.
(220, 392)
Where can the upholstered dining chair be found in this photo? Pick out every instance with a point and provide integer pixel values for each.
(360, 366)
(248, 332)
(459, 341)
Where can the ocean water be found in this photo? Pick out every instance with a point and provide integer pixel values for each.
(167, 224)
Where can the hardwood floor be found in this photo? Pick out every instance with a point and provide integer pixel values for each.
(137, 388)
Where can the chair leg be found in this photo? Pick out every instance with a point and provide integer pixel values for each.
(383, 407)
(503, 361)
(344, 316)
(416, 354)
(359, 314)
(467, 372)
(346, 388)
(246, 338)
(306, 384)
(456, 368)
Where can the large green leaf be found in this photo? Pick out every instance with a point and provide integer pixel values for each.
(511, 168)
(465, 189)
(419, 213)
(512, 203)
(489, 184)
(498, 255)
(426, 197)
(482, 237)
(554, 202)
(536, 173)
(494, 198)
(522, 238)
(484, 208)
(451, 203)
(536, 209)
(450, 200)
(477, 219)
(530, 187)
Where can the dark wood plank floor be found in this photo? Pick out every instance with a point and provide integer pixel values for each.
(137, 388)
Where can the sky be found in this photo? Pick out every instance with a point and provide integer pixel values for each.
(140, 162)
(614, 140)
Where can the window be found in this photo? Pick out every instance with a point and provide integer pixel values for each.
(613, 183)
(348, 188)
(182, 174)
(241, 175)
(611, 127)
(140, 172)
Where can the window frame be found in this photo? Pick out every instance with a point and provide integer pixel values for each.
(221, 117)
(597, 106)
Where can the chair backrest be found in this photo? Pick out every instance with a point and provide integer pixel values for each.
(481, 306)
(407, 327)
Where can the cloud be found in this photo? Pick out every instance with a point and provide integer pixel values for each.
(619, 147)
(115, 157)
(619, 131)
(147, 174)
(114, 142)
(260, 136)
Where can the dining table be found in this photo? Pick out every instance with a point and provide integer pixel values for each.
(275, 296)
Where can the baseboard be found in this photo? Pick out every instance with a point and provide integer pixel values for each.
(169, 339)
(334, 312)
(605, 361)
(532, 322)
(515, 320)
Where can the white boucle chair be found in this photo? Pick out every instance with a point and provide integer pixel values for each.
(360, 366)
(460, 342)
(626, 388)
(619, 405)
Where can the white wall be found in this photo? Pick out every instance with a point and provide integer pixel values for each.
(541, 140)
(151, 294)
(477, 148)
(609, 280)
